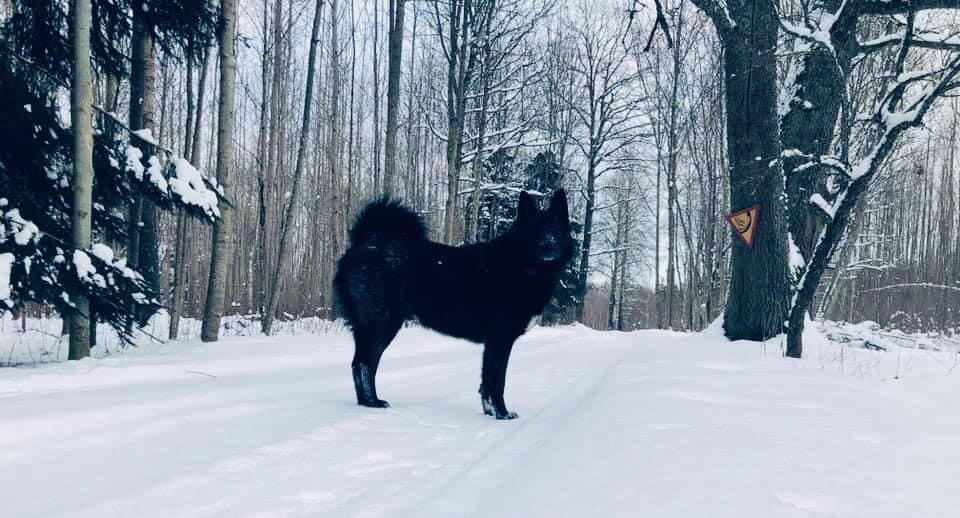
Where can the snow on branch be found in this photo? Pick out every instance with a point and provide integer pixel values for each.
(718, 12)
(915, 285)
(488, 187)
(891, 7)
(903, 105)
(817, 200)
(926, 40)
(830, 161)
(611, 251)
(36, 266)
(177, 183)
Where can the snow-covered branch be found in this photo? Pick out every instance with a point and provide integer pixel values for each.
(915, 285)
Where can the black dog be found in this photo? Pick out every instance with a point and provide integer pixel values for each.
(485, 292)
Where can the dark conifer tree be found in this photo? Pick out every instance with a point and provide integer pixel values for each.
(36, 260)
(542, 176)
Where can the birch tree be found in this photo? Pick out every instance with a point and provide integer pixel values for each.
(223, 229)
(81, 107)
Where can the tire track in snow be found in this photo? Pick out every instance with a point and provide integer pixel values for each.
(312, 441)
(456, 492)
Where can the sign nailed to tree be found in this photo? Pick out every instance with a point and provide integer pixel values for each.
(745, 223)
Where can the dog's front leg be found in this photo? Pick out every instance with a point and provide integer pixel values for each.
(496, 354)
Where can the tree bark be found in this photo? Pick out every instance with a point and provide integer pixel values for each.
(672, 154)
(471, 230)
(140, 50)
(192, 153)
(334, 150)
(759, 292)
(143, 251)
(287, 231)
(617, 264)
(587, 239)
(259, 280)
(394, 60)
(624, 265)
(459, 74)
(758, 301)
(377, 180)
(81, 106)
(223, 229)
(809, 123)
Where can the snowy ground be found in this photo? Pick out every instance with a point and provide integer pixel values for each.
(649, 424)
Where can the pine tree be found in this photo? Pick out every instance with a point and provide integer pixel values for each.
(43, 261)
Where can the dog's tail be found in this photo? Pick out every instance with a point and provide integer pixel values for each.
(387, 218)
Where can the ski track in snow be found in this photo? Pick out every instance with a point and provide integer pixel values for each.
(611, 424)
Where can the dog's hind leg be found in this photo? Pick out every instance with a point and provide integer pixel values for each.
(369, 347)
(496, 354)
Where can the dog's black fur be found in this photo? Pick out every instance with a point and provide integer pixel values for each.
(485, 292)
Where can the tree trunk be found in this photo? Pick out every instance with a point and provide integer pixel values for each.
(259, 280)
(471, 232)
(658, 298)
(453, 180)
(223, 229)
(191, 153)
(458, 77)
(587, 239)
(808, 125)
(617, 264)
(271, 167)
(759, 292)
(394, 60)
(81, 106)
(413, 193)
(338, 222)
(179, 270)
(143, 252)
(377, 180)
(624, 266)
(672, 151)
(287, 229)
(818, 263)
(141, 48)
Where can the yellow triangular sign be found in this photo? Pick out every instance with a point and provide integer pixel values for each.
(745, 223)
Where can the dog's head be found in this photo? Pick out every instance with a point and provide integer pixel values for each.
(545, 234)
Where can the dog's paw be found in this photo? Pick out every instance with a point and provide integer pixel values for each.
(488, 408)
(376, 403)
(507, 416)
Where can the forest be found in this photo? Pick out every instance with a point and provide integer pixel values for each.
(206, 158)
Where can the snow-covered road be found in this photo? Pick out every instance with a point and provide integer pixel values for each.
(648, 424)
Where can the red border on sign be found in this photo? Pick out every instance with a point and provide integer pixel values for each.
(755, 224)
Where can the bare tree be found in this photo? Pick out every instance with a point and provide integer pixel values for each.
(907, 98)
(457, 28)
(394, 62)
(223, 229)
(286, 231)
(606, 103)
(476, 38)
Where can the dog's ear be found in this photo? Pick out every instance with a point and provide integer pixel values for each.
(558, 205)
(527, 208)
